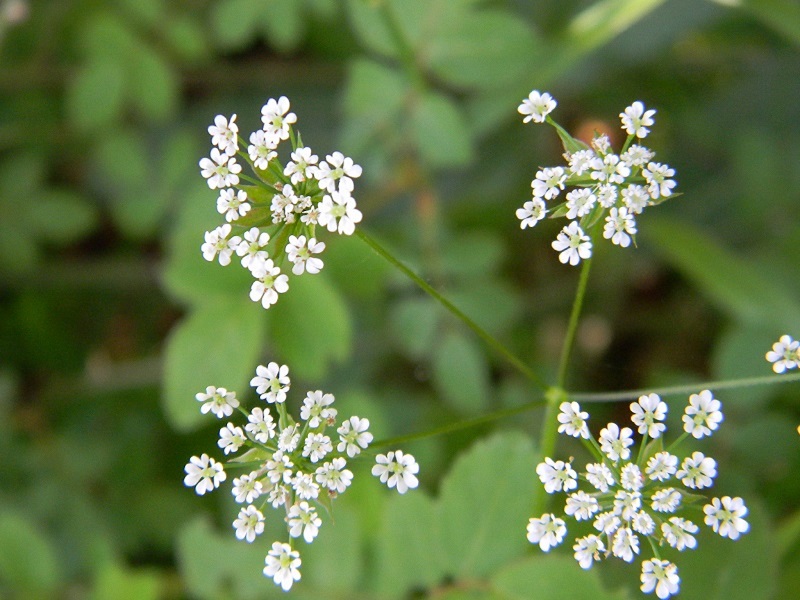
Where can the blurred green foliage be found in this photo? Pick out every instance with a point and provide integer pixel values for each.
(111, 320)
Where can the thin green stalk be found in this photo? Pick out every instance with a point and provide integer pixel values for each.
(492, 342)
(572, 328)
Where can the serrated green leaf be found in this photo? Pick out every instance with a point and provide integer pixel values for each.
(59, 216)
(461, 373)
(485, 503)
(218, 344)
(28, 560)
(440, 132)
(95, 96)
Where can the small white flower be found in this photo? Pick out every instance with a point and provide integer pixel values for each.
(353, 436)
(249, 524)
(643, 523)
(247, 488)
(219, 401)
(601, 144)
(697, 471)
(231, 438)
(648, 412)
(658, 182)
(549, 182)
(338, 212)
(625, 544)
(276, 117)
(261, 425)
(262, 148)
(302, 166)
(304, 486)
(536, 107)
(279, 495)
(600, 476)
(785, 354)
(279, 468)
(725, 516)
(580, 161)
(232, 205)
(615, 442)
(221, 170)
(272, 382)
(548, 531)
(557, 475)
(661, 466)
(289, 438)
(303, 520)
(317, 446)
(636, 120)
(203, 474)
(337, 167)
(609, 169)
(619, 227)
(224, 134)
(283, 565)
(579, 202)
(702, 415)
(627, 504)
(269, 283)
(607, 194)
(317, 409)
(334, 476)
(588, 549)
(251, 248)
(631, 477)
(636, 198)
(661, 576)
(397, 469)
(581, 506)
(301, 253)
(678, 533)
(666, 500)
(607, 523)
(531, 213)
(637, 156)
(217, 241)
(572, 244)
(572, 420)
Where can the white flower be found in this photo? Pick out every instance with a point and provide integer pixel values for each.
(619, 227)
(279, 468)
(302, 166)
(607, 523)
(581, 506)
(283, 564)
(702, 415)
(666, 500)
(353, 436)
(588, 549)
(549, 182)
(697, 471)
(627, 504)
(303, 520)
(317, 408)
(636, 120)
(249, 523)
(678, 533)
(289, 438)
(548, 532)
(636, 198)
(579, 202)
(317, 446)
(643, 523)
(247, 488)
(232, 205)
(220, 170)
(557, 475)
(231, 438)
(262, 148)
(304, 486)
(785, 354)
(615, 442)
(648, 411)
(580, 161)
(269, 283)
(300, 252)
(337, 168)
(278, 495)
(224, 134)
(661, 576)
(272, 382)
(658, 182)
(600, 476)
(661, 466)
(536, 107)
(283, 205)
(531, 213)
(276, 117)
(631, 477)
(251, 248)
(219, 401)
(625, 544)
(609, 169)
(572, 420)
(334, 476)
(725, 516)
(572, 244)
(203, 474)
(261, 425)
(217, 241)
(338, 211)
(606, 194)
(601, 143)
(397, 469)
(637, 156)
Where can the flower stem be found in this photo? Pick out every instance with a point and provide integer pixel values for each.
(490, 340)
(572, 328)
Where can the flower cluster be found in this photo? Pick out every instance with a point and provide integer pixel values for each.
(274, 220)
(291, 466)
(785, 354)
(629, 497)
(609, 186)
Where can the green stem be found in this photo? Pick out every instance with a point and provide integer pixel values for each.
(574, 317)
(493, 343)
(402, 45)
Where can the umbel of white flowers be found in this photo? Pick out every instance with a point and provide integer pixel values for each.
(606, 185)
(631, 497)
(291, 466)
(273, 220)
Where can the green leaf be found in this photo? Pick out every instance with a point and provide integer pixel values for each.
(311, 326)
(152, 86)
(95, 95)
(605, 20)
(59, 216)
(485, 503)
(117, 583)
(28, 560)
(283, 20)
(334, 559)
(551, 578)
(413, 323)
(440, 132)
(782, 15)
(187, 38)
(234, 22)
(122, 159)
(492, 302)
(461, 373)
(218, 344)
